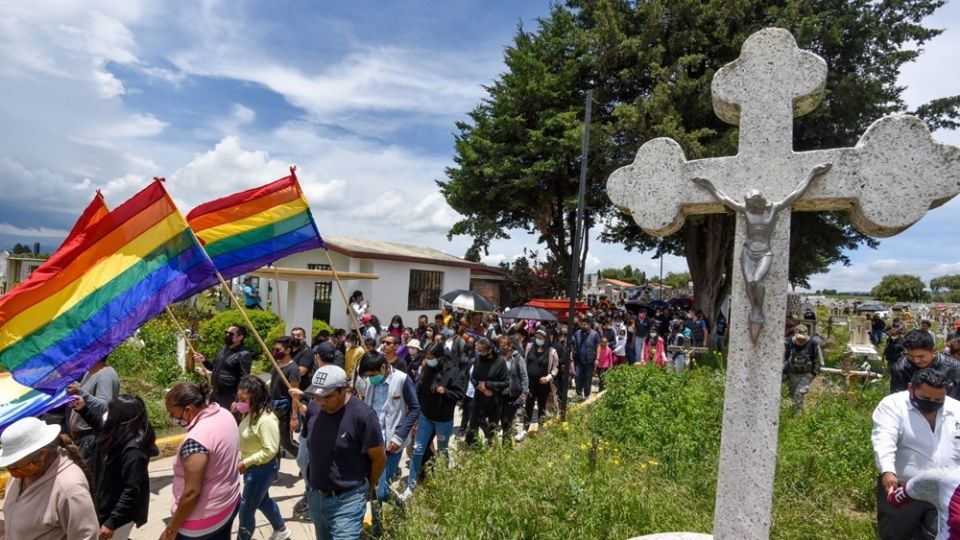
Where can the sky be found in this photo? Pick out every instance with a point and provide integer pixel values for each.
(362, 96)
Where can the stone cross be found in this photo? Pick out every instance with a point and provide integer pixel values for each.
(887, 182)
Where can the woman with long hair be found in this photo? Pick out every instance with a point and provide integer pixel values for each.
(206, 482)
(125, 442)
(396, 326)
(49, 494)
(259, 465)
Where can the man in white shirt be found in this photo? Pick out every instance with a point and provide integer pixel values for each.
(913, 431)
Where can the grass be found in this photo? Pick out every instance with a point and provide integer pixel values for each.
(643, 459)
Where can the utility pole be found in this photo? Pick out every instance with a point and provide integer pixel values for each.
(578, 241)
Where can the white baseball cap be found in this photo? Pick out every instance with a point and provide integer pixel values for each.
(24, 437)
(327, 379)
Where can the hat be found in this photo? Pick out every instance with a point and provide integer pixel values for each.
(325, 350)
(24, 437)
(801, 329)
(414, 344)
(366, 317)
(327, 379)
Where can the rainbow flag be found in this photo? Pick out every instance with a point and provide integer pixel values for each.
(248, 230)
(17, 401)
(95, 211)
(98, 289)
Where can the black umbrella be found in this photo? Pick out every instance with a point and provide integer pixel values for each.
(529, 313)
(635, 306)
(871, 307)
(467, 300)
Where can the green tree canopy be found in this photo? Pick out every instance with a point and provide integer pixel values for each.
(650, 64)
(903, 287)
(946, 288)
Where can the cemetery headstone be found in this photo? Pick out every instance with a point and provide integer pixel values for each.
(887, 182)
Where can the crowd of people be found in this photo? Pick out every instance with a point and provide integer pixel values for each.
(348, 405)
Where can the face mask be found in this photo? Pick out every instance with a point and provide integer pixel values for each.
(277, 355)
(178, 422)
(297, 342)
(653, 335)
(539, 342)
(228, 340)
(395, 325)
(432, 362)
(28, 470)
(925, 406)
(243, 408)
(429, 334)
(377, 379)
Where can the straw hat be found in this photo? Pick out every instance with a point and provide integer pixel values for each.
(414, 344)
(24, 437)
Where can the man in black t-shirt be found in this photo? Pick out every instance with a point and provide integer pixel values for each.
(346, 452)
(282, 347)
(302, 356)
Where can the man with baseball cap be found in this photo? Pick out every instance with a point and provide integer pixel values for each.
(801, 363)
(346, 454)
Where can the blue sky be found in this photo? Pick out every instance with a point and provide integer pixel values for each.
(220, 96)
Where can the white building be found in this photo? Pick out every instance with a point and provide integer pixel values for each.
(14, 269)
(396, 279)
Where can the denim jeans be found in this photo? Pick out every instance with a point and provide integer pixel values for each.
(426, 429)
(383, 485)
(339, 517)
(679, 360)
(303, 456)
(256, 486)
(584, 379)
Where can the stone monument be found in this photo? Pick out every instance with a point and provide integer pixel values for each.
(888, 181)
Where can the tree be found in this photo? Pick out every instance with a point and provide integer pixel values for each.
(946, 288)
(650, 63)
(21, 249)
(903, 287)
(528, 278)
(677, 281)
(627, 273)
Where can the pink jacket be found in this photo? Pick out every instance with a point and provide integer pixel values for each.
(659, 358)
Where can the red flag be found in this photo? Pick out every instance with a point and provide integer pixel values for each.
(95, 211)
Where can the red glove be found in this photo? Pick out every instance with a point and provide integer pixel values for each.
(899, 497)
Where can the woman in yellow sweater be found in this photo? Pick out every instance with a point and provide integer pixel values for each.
(259, 444)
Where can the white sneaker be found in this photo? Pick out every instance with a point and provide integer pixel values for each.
(407, 493)
(281, 535)
(520, 436)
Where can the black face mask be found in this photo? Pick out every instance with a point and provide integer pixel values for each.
(925, 406)
(228, 340)
(297, 343)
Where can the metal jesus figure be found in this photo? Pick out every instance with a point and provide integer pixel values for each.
(761, 217)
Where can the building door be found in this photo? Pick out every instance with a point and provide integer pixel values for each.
(322, 293)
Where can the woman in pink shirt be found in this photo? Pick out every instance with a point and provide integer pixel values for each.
(206, 482)
(604, 361)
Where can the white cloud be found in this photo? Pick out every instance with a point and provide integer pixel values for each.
(31, 232)
(494, 259)
(136, 125)
(241, 114)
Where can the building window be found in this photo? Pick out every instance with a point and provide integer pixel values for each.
(425, 290)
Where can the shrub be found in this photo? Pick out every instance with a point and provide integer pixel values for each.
(317, 326)
(213, 330)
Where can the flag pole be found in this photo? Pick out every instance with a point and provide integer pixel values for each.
(276, 276)
(336, 278)
(253, 329)
(186, 338)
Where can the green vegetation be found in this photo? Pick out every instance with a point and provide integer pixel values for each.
(901, 288)
(213, 330)
(643, 459)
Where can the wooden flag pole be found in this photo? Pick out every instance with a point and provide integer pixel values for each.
(336, 278)
(253, 329)
(276, 276)
(186, 338)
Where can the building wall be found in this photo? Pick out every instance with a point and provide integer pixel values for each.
(387, 296)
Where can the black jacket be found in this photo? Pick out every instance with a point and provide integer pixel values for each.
(894, 349)
(228, 368)
(120, 480)
(802, 358)
(902, 371)
(493, 372)
(439, 407)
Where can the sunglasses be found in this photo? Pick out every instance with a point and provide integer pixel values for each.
(388, 342)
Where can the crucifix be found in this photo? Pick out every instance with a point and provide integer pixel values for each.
(887, 182)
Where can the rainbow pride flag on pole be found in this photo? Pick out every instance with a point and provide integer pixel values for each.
(99, 288)
(248, 230)
(17, 401)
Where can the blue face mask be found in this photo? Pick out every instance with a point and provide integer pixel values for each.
(376, 379)
(432, 362)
